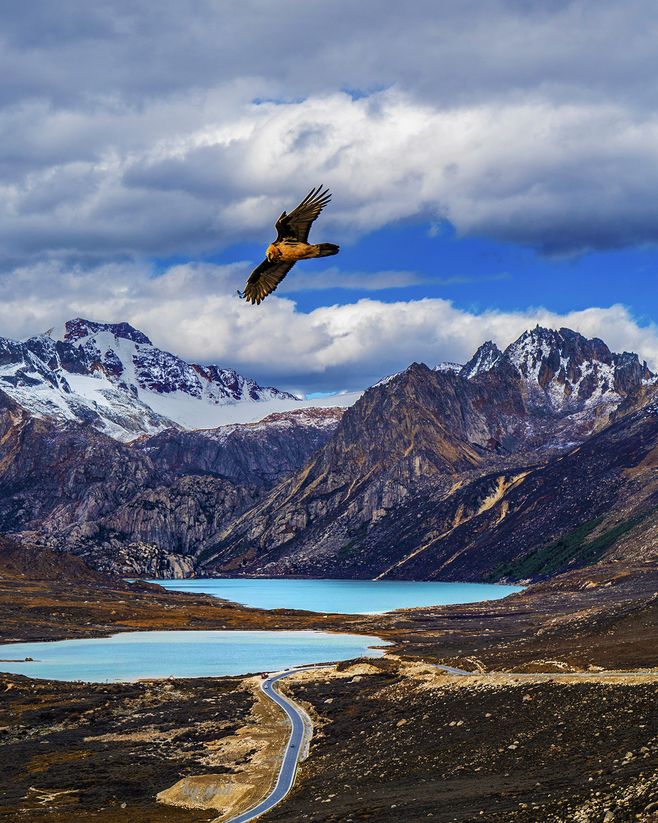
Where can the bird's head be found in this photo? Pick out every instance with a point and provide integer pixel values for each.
(272, 253)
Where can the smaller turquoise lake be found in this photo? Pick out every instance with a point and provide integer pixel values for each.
(339, 596)
(146, 655)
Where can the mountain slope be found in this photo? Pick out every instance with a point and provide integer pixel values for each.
(518, 464)
(259, 453)
(598, 500)
(139, 508)
(212, 477)
(426, 452)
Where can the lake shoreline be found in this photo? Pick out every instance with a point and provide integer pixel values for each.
(502, 634)
(343, 596)
(597, 617)
(153, 655)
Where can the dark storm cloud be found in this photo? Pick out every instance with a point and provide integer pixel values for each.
(449, 51)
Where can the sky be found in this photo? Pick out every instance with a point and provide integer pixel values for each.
(493, 163)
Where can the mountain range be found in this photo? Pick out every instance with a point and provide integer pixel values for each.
(111, 376)
(516, 465)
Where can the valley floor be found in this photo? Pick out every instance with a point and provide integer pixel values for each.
(395, 739)
(406, 744)
(393, 742)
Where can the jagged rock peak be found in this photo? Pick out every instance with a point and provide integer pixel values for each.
(563, 365)
(549, 347)
(540, 351)
(79, 328)
(448, 365)
(484, 359)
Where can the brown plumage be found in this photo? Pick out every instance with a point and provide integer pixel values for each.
(290, 246)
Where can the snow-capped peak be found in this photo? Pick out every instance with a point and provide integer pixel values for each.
(484, 359)
(112, 376)
(562, 368)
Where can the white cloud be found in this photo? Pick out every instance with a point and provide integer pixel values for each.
(178, 178)
(130, 131)
(193, 311)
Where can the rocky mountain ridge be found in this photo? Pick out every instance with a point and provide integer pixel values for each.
(563, 369)
(432, 451)
(457, 473)
(145, 507)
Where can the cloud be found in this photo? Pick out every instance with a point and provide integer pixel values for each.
(334, 278)
(192, 310)
(75, 53)
(129, 131)
(524, 172)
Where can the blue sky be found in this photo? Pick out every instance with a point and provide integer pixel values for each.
(493, 164)
(477, 273)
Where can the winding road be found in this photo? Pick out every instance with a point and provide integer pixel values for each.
(300, 731)
(297, 743)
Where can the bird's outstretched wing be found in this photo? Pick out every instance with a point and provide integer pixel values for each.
(297, 224)
(265, 278)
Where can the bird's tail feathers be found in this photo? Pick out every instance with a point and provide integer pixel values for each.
(327, 249)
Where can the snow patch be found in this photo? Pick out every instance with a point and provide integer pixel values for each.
(447, 365)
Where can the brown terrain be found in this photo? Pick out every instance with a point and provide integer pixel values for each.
(398, 745)
(537, 464)
(393, 742)
(395, 739)
(603, 616)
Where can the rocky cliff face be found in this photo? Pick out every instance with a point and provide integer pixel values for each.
(253, 453)
(562, 371)
(161, 531)
(147, 508)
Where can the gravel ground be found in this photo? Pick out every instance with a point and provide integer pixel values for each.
(82, 752)
(394, 749)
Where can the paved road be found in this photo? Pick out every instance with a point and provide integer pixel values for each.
(294, 749)
(452, 669)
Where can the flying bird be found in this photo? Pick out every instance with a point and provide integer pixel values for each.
(291, 245)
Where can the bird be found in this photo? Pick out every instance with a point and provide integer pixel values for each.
(291, 245)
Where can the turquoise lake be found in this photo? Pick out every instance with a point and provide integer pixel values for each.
(339, 596)
(144, 655)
